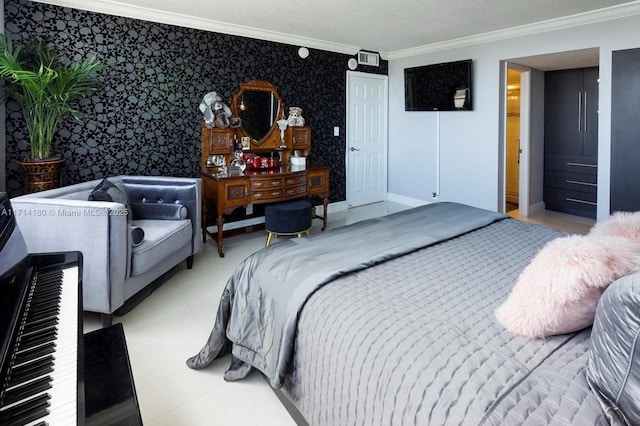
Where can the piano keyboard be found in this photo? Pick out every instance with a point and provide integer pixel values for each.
(42, 381)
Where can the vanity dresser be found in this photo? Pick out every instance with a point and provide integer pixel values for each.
(269, 178)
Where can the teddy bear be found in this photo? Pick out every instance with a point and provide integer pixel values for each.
(216, 113)
(295, 118)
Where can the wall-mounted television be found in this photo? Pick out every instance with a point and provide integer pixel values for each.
(439, 87)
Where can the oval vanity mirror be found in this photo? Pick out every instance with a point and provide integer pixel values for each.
(259, 106)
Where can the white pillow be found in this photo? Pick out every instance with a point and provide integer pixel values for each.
(558, 291)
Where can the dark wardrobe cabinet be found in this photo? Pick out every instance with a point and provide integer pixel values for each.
(571, 141)
(625, 130)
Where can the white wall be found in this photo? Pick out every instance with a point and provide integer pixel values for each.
(469, 140)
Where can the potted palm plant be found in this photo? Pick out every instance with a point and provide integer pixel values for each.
(47, 88)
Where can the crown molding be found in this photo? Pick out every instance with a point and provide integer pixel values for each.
(117, 8)
(586, 18)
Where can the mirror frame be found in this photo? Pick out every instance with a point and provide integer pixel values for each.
(260, 85)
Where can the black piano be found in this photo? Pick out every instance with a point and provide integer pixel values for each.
(50, 373)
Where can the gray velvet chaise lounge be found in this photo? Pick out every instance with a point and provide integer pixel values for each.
(116, 264)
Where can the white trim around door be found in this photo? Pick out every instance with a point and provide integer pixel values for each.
(366, 138)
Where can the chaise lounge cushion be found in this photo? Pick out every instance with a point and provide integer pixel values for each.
(161, 237)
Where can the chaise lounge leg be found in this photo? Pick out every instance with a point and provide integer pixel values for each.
(190, 262)
(107, 320)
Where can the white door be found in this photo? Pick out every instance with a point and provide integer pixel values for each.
(366, 138)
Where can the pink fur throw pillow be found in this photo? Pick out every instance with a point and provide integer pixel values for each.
(623, 224)
(558, 291)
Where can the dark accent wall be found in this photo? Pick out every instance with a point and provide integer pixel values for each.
(144, 120)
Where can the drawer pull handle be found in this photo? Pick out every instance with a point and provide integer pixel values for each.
(258, 184)
(581, 164)
(581, 183)
(275, 193)
(575, 200)
(275, 183)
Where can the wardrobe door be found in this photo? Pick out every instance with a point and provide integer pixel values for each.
(563, 116)
(571, 141)
(590, 112)
(625, 130)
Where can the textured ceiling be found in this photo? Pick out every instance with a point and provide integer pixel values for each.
(395, 28)
(378, 25)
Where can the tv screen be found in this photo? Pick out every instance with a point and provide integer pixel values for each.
(438, 87)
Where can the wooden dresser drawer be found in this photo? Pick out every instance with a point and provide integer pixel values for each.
(266, 183)
(295, 180)
(266, 195)
(295, 190)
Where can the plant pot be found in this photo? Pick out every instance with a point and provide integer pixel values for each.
(42, 174)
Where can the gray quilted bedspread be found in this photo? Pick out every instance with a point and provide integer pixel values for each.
(414, 341)
(391, 322)
(260, 305)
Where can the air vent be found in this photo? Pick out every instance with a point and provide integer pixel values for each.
(369, 58)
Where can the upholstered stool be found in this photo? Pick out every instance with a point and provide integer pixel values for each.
(287, 218)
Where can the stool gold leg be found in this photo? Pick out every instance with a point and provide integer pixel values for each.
(268, 239)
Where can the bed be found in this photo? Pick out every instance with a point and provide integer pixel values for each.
(390, 321)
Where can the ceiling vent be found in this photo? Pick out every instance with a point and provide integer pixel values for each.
(369, 58)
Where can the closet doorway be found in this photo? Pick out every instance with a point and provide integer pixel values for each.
(513, 151)
(516, 149)
(531, 167)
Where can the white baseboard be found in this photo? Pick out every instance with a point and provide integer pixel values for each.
(536, 208)
(338, 206)
(407, 201)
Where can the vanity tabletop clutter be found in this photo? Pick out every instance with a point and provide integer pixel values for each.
(261, 161)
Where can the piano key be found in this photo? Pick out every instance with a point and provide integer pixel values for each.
(43, 323)
(43, 304)
(44, 314)
(40, 322)
(25, 412)
(38, 338)
(64, 404)
(38, 331)
(27, 390)
(24, 372)
(33, 353)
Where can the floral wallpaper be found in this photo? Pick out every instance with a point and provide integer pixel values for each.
(144, 119)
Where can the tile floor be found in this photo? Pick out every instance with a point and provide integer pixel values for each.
(575, 224)
(174, 322)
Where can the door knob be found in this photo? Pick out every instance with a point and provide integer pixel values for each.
(354, 149)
